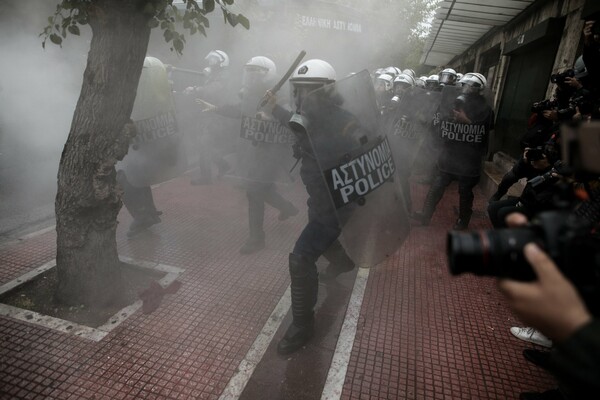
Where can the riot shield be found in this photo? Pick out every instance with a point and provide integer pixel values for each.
(356, 161)
(157, 152)
(264, 148)
(463, 129)
(409, 122)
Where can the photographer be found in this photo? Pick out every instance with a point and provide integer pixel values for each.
(543, 125)
(553, 305)
(538, 193)
(591, 49)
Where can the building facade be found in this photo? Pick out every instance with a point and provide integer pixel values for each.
(517, 45)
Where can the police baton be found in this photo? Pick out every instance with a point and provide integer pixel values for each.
(279, 84)
(186, 71)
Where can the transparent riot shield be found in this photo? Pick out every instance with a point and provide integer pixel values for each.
(264, 148)
(356, 161)
(157, 152)
(409, 122)
(463, 128)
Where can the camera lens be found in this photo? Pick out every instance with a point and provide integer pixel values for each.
(490, 253)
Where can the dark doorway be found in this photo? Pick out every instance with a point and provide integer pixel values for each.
(526, 82)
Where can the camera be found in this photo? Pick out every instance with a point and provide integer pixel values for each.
(560, 78)
(543, 105)
(584, 104)
(499, 253)
(562, 233)
(546, 177)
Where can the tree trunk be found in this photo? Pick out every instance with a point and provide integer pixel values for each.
(88, 198)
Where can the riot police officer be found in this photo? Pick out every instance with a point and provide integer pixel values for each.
(320, 236)
(210, 141)
(464, 137)
(402, 85)
(261, 160)
(384, 90)
(432, 82)
(155, 153)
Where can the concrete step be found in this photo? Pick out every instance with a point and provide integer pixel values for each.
(493, 171)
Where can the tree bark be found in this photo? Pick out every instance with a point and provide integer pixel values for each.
(88, 199)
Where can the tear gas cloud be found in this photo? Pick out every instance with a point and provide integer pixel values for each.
(38, 93)
(39, 88)
(350, 35)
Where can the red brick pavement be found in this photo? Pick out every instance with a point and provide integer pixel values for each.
(422, 334)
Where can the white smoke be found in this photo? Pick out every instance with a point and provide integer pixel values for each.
(38, 92)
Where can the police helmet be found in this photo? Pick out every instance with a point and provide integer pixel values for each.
(217, 58)
(309, 76)
(403, 82)
(409, 72)
(447, 77)
(378, 72)
(473, 82)
(392, 71)
(405, 78)
(259, 69)
(384, 83)
(420, 83)
(432, 81)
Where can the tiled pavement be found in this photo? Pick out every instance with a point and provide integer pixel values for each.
(421, 333)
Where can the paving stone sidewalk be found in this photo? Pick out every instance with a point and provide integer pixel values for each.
(422, 334)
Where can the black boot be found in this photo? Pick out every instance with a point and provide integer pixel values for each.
(424, 217)
(434, 195)
(339, 261)
(462, 223)
(304, 285)
(138, 201)
(465, 210)
(285, 207)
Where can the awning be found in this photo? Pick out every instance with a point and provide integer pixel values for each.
(460, 23)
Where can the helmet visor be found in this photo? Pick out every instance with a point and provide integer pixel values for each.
(299, 91)
(213, 60)
(381, 85)
(401, 87)
(447, 78)
(471, 86)
(253, 76)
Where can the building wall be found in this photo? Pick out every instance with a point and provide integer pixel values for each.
(477, 59)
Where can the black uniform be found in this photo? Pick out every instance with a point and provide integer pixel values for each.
(462, 148)
(319, 237)
(258, 194)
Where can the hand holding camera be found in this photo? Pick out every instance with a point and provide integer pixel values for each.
(573, 82)
(550, 303)
(562, 77)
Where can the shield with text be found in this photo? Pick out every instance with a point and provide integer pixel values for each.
(157, 152)
(358, 166)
